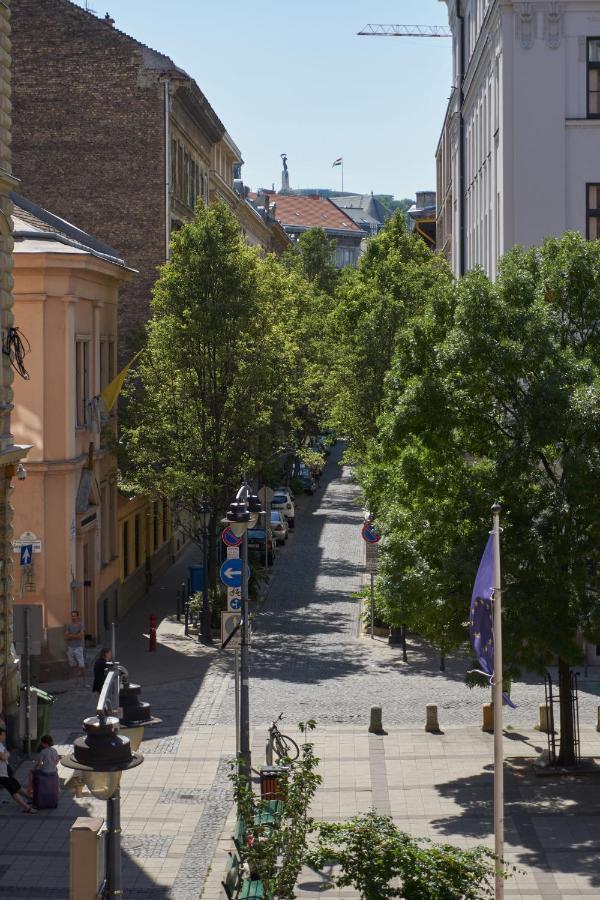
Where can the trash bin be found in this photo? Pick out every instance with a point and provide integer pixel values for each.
(196, 579)
(44, 711)
(272, 782)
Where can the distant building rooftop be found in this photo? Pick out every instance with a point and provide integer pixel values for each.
(312, 212)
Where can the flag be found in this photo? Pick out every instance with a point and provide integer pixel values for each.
(481, 619)
(111, 392)
(338, 162)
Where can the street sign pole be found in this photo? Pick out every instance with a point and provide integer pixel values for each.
(246, 759)
(236, 676)
(372, 606)
(28, 682)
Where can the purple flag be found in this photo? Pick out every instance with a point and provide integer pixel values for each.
(481, 619)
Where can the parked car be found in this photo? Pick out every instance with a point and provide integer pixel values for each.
(256, 544)
(279, 527)
(285, 505)
(285, 490)
(308, 480)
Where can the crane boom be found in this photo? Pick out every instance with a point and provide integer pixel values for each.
(406, 31)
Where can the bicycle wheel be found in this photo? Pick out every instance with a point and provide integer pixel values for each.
(285, 746)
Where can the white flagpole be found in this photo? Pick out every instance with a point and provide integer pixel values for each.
(497, 698)
(342, 174)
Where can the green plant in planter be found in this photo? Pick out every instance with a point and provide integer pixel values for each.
(382, 862)
(276, 853)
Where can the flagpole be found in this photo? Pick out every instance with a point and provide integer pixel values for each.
(497, 698)
(342, 174)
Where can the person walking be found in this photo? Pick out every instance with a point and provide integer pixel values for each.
(101, 668)
(75, 638)
(8, 781)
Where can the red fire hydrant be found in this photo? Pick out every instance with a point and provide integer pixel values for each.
(152, 641)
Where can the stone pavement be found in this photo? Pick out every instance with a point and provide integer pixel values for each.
(440, 787)
(308, 660)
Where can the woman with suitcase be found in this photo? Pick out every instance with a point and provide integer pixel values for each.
(44, 777)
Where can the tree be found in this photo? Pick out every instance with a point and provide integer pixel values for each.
(206, 407)
(373, 304)
(380, 861)
(313, 256)
(495, 394)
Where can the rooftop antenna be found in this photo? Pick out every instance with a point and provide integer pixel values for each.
(89, 7)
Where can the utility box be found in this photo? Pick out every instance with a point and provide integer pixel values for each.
(87, 854)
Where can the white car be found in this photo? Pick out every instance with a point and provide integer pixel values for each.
(279, 526)
(285, 505)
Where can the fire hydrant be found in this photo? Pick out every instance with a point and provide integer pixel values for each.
(152, 641)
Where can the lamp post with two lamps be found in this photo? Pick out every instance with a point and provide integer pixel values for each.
(243, 514)
(103, 753)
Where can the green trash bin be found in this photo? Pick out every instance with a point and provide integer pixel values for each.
(44, 711)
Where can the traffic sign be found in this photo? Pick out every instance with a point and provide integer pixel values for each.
(231, 573)
(27, 538)
(371, 558)
(230, 539)
(233, 553)
(234, 599)
(26, 552)
(369, 534)
(229, 622)
(265, 495)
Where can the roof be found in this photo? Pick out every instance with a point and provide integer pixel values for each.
(363, 209)
(38, 230)
(312, 212)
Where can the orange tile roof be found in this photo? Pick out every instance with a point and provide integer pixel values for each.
(311, 212)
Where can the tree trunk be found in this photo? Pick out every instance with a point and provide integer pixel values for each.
(566, 756)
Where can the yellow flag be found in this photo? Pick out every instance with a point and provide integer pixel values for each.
(111, 392)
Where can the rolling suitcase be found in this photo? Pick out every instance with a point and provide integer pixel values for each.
(45, 789)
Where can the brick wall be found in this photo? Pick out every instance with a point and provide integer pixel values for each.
(88, 137)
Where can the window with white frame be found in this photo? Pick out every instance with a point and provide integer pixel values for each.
(593, 212)
(593, 77)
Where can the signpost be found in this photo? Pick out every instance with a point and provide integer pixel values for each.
(371, 539)
(27, 624)
(25, 554)
(230, 573)
(234, 599)
(231, 633)
(369, 534)
(230, 539)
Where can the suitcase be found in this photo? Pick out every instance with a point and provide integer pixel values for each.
(45, 789)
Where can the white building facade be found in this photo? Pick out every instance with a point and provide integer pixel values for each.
(519, 156)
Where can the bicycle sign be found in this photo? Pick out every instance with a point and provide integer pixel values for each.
(369, 533)
(230, 539)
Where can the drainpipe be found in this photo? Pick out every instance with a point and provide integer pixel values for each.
(461, 141)
(167, 138)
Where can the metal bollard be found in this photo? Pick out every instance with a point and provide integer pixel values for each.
(432, 724)
(376, 721)
(488, 718)
(598, 722)
(186, 617)
(544, 719)
(152, 640)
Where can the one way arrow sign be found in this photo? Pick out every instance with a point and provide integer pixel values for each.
(25, 554)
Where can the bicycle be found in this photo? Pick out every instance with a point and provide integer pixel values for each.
(282, 744)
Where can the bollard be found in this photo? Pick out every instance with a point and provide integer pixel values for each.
(376, 721)
(488, 718)
(152, 641)
(432, 724)
(186, 617)
(544, 719)
(598, 722)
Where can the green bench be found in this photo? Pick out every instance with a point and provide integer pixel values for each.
(238, 888)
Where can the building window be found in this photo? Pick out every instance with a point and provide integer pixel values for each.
(82, 381)
(593, 78)
(107, 362)
(105, 523)
(593, 212)
(137, 541)
(125, 549)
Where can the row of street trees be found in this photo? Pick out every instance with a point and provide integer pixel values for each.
(458, 394)
(451, 395)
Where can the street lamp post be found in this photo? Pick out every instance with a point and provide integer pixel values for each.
(205, 632)
(242, 515)
(101, 755)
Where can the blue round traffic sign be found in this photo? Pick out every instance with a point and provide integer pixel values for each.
(230, 573)
(369, 534)
(235, 604)
(230, 539)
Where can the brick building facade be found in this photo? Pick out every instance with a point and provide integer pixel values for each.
(128, 134)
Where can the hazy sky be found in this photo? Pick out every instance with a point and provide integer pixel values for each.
(294, 77)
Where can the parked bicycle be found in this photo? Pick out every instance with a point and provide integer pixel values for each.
(280, 744)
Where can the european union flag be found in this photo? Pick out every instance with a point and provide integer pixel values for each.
(481, 619)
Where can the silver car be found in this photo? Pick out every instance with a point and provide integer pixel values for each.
(279, 527)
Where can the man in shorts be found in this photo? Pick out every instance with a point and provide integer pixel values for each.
(75, 638)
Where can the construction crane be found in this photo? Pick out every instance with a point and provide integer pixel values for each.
(406, 31)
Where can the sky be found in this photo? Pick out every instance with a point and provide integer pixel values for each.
(293, 76)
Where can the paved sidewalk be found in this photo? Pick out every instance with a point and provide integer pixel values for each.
(440, 787)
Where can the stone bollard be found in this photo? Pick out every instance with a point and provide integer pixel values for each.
(598, 722)
(488, 718)
(544, 719)
(376, 721)
(431, 721)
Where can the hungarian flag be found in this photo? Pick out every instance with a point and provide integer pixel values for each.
(338, 162)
